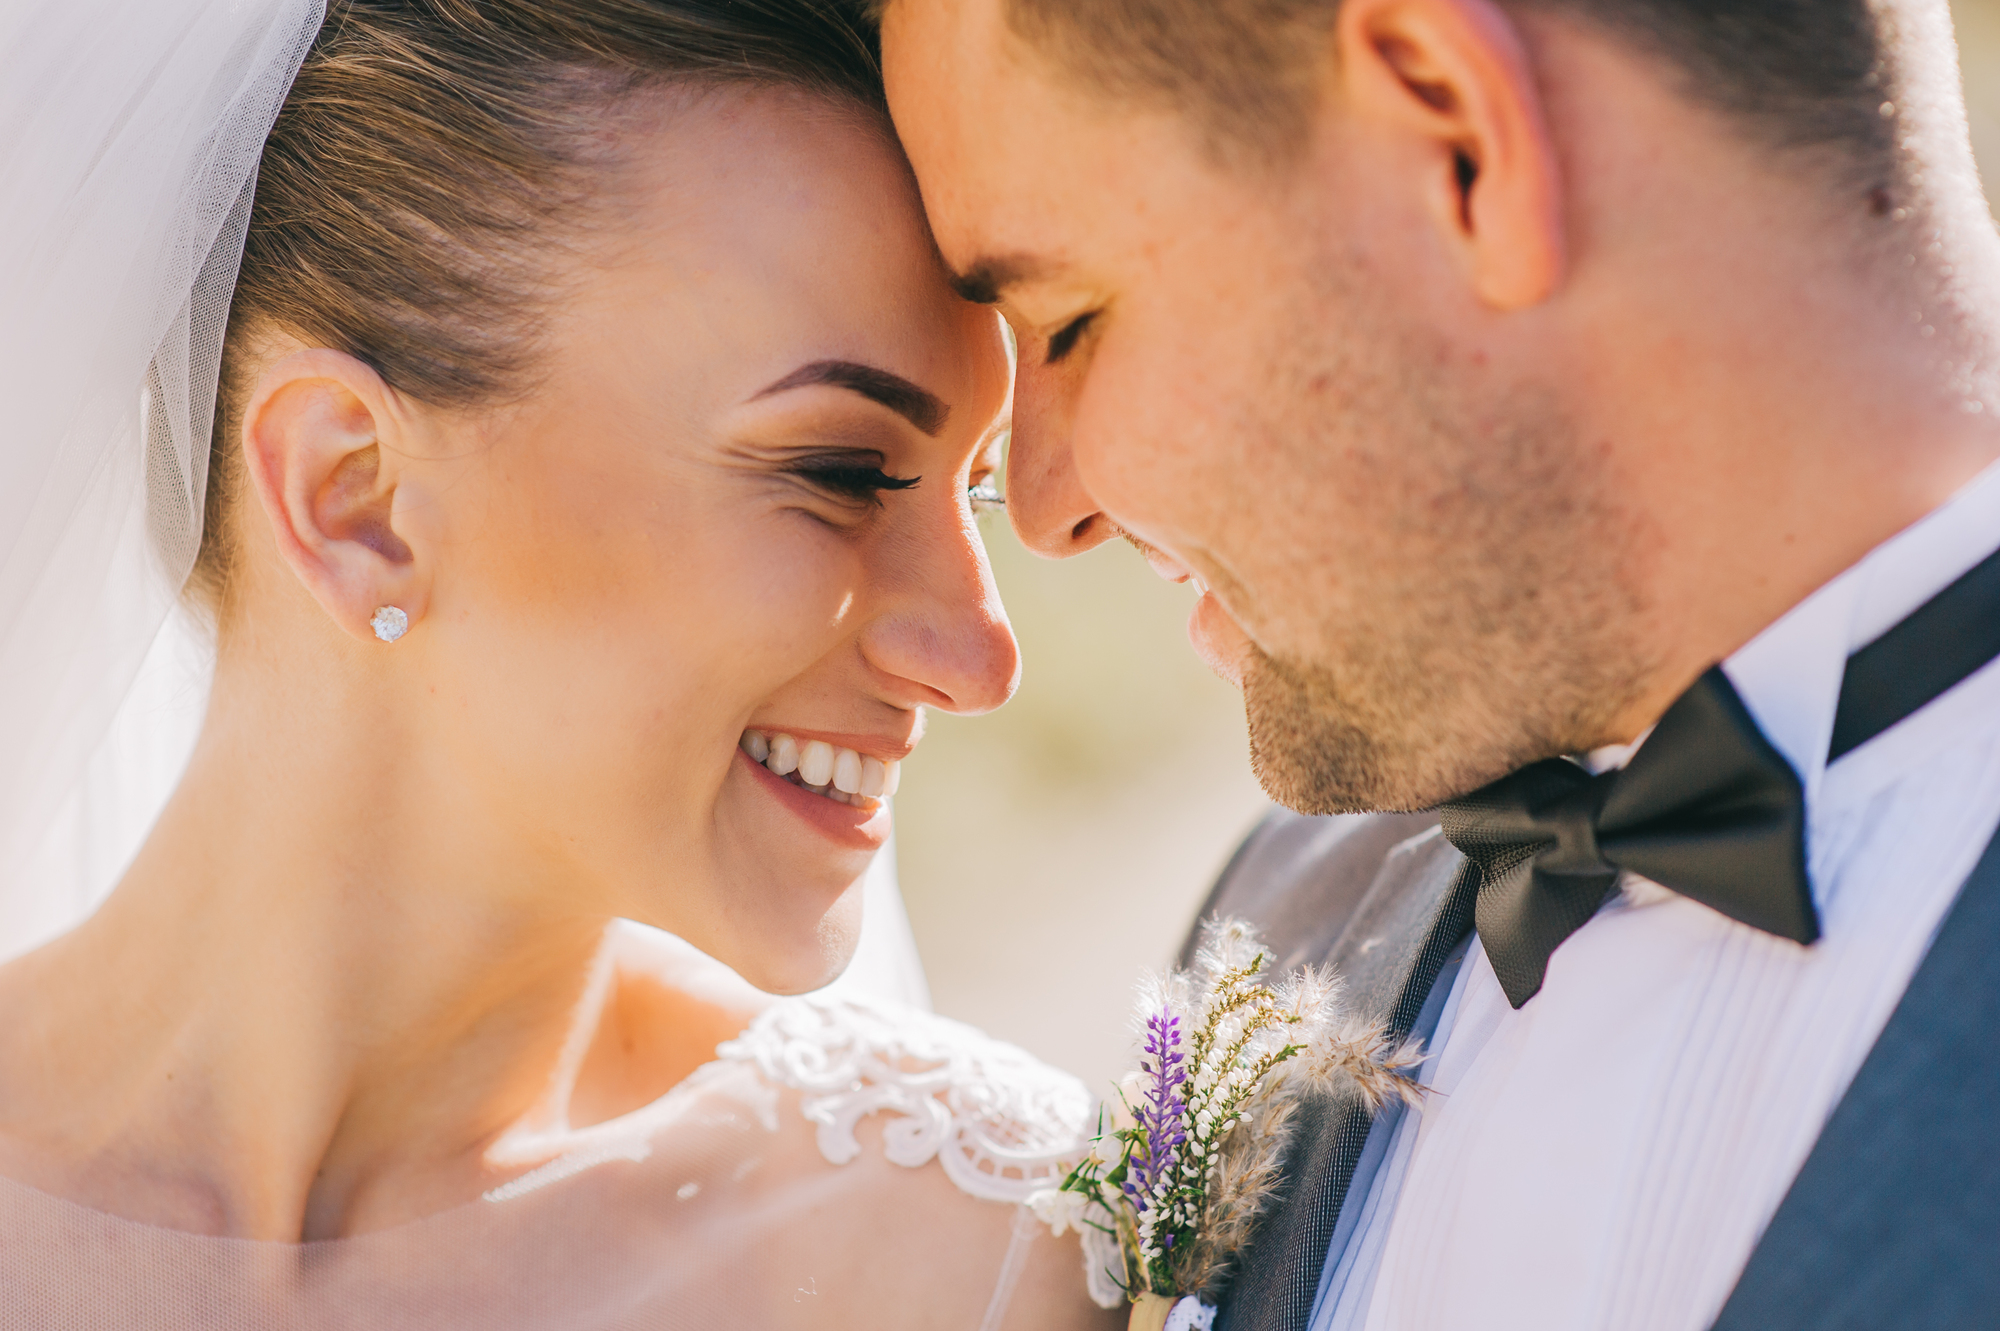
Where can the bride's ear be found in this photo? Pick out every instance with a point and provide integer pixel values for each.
(324, 444)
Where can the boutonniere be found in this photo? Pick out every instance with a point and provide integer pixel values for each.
(1189, 1150)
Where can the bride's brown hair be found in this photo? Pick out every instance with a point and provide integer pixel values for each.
(433, 157)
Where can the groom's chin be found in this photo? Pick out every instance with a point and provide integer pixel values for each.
(1313, 754)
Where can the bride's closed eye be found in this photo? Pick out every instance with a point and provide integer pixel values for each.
(849, 478)
(861, 484)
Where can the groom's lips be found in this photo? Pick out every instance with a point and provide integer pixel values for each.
(1163, 564)
(845, 825)
(1218, 639)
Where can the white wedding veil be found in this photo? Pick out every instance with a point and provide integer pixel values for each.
(129, 137)
(130, 132)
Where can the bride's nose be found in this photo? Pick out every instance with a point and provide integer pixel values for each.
(942, 635)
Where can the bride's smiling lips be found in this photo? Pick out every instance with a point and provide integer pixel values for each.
(838, 784)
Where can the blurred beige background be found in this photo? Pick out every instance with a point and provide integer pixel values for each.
(1051, 851)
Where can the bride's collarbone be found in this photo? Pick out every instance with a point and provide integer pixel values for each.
(661, 1022)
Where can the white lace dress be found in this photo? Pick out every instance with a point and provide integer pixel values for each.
(843, 1163)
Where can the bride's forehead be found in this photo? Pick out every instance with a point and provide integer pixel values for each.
(765, 232)
(776, 176)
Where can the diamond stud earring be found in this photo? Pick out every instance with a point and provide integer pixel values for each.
(389, 623)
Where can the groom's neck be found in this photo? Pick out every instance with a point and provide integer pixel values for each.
(1780, 370)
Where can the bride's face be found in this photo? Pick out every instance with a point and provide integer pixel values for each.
(690, 534)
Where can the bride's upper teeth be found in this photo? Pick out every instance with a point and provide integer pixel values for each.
(816, 762)
(841, 774)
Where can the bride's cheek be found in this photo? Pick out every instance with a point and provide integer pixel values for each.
(801, 590)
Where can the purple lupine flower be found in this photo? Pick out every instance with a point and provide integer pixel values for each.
(1161, 1111)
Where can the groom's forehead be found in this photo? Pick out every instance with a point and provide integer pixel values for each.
(991, 149)
(1242, 74)
(1016, 163)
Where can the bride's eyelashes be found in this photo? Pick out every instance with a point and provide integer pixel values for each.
(856, 482)
(1065, 338)
(864, 485)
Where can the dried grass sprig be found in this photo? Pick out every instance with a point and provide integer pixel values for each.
(1191, 1157)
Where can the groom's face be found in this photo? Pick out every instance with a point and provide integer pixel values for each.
(1274, 377)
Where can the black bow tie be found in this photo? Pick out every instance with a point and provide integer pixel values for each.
(1706, 807)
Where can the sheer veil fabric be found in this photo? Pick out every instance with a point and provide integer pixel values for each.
(130, 132)
(838, 1166)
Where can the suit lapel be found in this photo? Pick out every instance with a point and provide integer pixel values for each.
(1895, 1218)
(1416, 910)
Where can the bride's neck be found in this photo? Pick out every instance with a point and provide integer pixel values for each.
(320, 992)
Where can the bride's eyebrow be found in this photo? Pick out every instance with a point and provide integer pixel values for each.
(919, 406)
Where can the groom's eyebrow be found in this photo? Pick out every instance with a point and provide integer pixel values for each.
(919, 406)
(988, 279)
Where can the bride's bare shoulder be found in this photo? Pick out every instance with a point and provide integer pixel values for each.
(847, 1161)
(931, 1133)
(997, 1121)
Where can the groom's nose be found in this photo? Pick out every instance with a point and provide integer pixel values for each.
(1047, 503)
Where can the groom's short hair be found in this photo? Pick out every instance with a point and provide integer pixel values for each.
(1800, 73)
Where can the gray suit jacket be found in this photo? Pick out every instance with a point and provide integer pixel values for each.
(1894, 1221)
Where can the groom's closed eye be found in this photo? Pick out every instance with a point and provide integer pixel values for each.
(1065, 338)
(987, 282)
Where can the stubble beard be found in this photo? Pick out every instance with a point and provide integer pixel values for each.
(1469, 579)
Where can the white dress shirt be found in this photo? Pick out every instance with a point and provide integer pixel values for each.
(1608, 1155)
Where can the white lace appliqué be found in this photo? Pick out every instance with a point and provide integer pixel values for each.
(1001, 1123)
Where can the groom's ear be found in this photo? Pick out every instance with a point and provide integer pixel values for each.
(1455, 78)
(324, 446)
